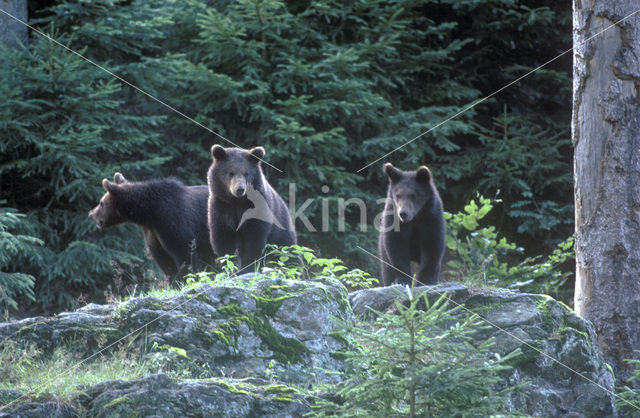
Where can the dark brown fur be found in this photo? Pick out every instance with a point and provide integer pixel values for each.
(412, 228)
(237, 225)
(173, 218)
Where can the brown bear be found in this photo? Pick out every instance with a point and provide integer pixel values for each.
(245, 212)
(173, 218)
(412, 228)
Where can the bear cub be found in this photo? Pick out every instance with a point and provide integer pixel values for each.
(173, 218)
(412, 228)
(245, 212)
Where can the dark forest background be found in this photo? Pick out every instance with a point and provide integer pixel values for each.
(326, 87)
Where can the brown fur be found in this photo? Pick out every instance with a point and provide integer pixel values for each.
(412, 228)
(235, 181)
(173, 218)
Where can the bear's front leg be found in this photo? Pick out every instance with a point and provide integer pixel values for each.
(397, 268)
(431, 253)
(252, 238)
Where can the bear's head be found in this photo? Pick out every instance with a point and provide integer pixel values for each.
(409, 190)
(233, 169)
(107, 213)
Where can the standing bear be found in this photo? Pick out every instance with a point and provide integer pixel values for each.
(412, 199)
(173, 218)
(245, 212)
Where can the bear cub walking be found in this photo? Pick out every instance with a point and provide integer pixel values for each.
(245, 212)
(412, 199)
(173, 218)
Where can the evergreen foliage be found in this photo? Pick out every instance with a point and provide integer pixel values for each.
(419, 361)
(628, 400)
(16, 250)
(64, 128)
(327, 88)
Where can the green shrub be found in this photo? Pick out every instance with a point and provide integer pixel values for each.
(479, 256)
(419, 362)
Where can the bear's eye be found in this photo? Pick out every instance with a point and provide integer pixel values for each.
(101, 204)
(246, 174)
(231, 174)
(411, 196)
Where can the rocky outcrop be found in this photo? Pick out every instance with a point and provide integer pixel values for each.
(253, 347)
(158, 395)
(579, 383)
(234, 330)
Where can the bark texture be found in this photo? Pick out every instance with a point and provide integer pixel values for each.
(606, 139)
(12, 31)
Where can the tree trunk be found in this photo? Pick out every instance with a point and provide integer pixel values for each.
(606, 140)
(12, 31)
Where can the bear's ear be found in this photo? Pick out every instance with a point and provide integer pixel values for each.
(256, 154)
(118, 178)
(423, 174)
(110, 187)
(393, 173)
(218, 152)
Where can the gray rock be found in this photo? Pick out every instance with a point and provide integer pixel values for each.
(256, 327)
(160, 396)
(543, 329)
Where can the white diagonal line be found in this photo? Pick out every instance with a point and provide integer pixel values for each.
(471, 106)
(68, 370)
(111, 73)
(520, 340)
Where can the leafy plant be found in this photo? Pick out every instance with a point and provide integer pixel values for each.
(480, 256)
(297, 262)
(419, 361)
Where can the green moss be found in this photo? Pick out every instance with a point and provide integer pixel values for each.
(338, 355)
(280, 389)
(25, 330)
(484, 308)
(204, 298)
(286, 350)
(152, 304)
(283, 393)
(233, 389)
(117, 402)
(122, 311)
(339, 336)
(608, 366)
(564, 305)
(565, 328)
(542, 305)
(270, 304)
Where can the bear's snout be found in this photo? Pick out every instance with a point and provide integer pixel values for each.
(404, 215)
(238, 186)
(240, 191)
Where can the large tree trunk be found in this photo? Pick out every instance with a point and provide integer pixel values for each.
(606, 138)
(12, 31)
